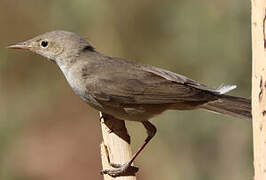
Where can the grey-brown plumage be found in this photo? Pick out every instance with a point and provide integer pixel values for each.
(129, 90)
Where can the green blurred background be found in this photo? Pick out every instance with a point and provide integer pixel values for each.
(48, 133)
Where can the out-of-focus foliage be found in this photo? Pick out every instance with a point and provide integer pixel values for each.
(47, 132)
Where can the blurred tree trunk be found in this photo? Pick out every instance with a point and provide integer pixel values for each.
(116, 145)
(259, 87)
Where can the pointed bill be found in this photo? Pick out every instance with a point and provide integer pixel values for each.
(21, 45)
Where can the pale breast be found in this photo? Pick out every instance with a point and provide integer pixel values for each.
(74, 78)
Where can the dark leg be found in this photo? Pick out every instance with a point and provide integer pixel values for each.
(126, 168)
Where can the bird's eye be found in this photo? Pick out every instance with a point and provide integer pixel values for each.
(44, 44)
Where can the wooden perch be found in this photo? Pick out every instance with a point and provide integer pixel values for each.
(115, 146)
(259, 87)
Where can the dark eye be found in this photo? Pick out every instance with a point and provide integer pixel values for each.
(44, 44)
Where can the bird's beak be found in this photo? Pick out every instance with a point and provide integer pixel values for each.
(21, 45)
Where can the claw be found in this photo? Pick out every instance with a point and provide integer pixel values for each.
(120, 170)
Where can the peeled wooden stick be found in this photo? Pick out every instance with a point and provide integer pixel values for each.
(259, 86)
(115, 146)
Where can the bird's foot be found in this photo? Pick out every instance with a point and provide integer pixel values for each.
(121, 170)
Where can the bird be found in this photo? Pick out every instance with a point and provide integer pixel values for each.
(129, 90)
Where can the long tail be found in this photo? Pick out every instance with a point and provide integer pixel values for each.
(230, 105)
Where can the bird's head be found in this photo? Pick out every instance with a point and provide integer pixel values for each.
(55, 45)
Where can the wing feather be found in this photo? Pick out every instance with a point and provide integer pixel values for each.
(128, 82)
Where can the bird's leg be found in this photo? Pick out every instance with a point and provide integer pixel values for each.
(127, 169)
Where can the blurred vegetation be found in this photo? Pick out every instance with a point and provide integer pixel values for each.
(47, 132)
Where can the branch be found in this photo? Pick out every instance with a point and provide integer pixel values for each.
(116, 145)
(259, 87)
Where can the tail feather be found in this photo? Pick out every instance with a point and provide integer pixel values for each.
(230, 105)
